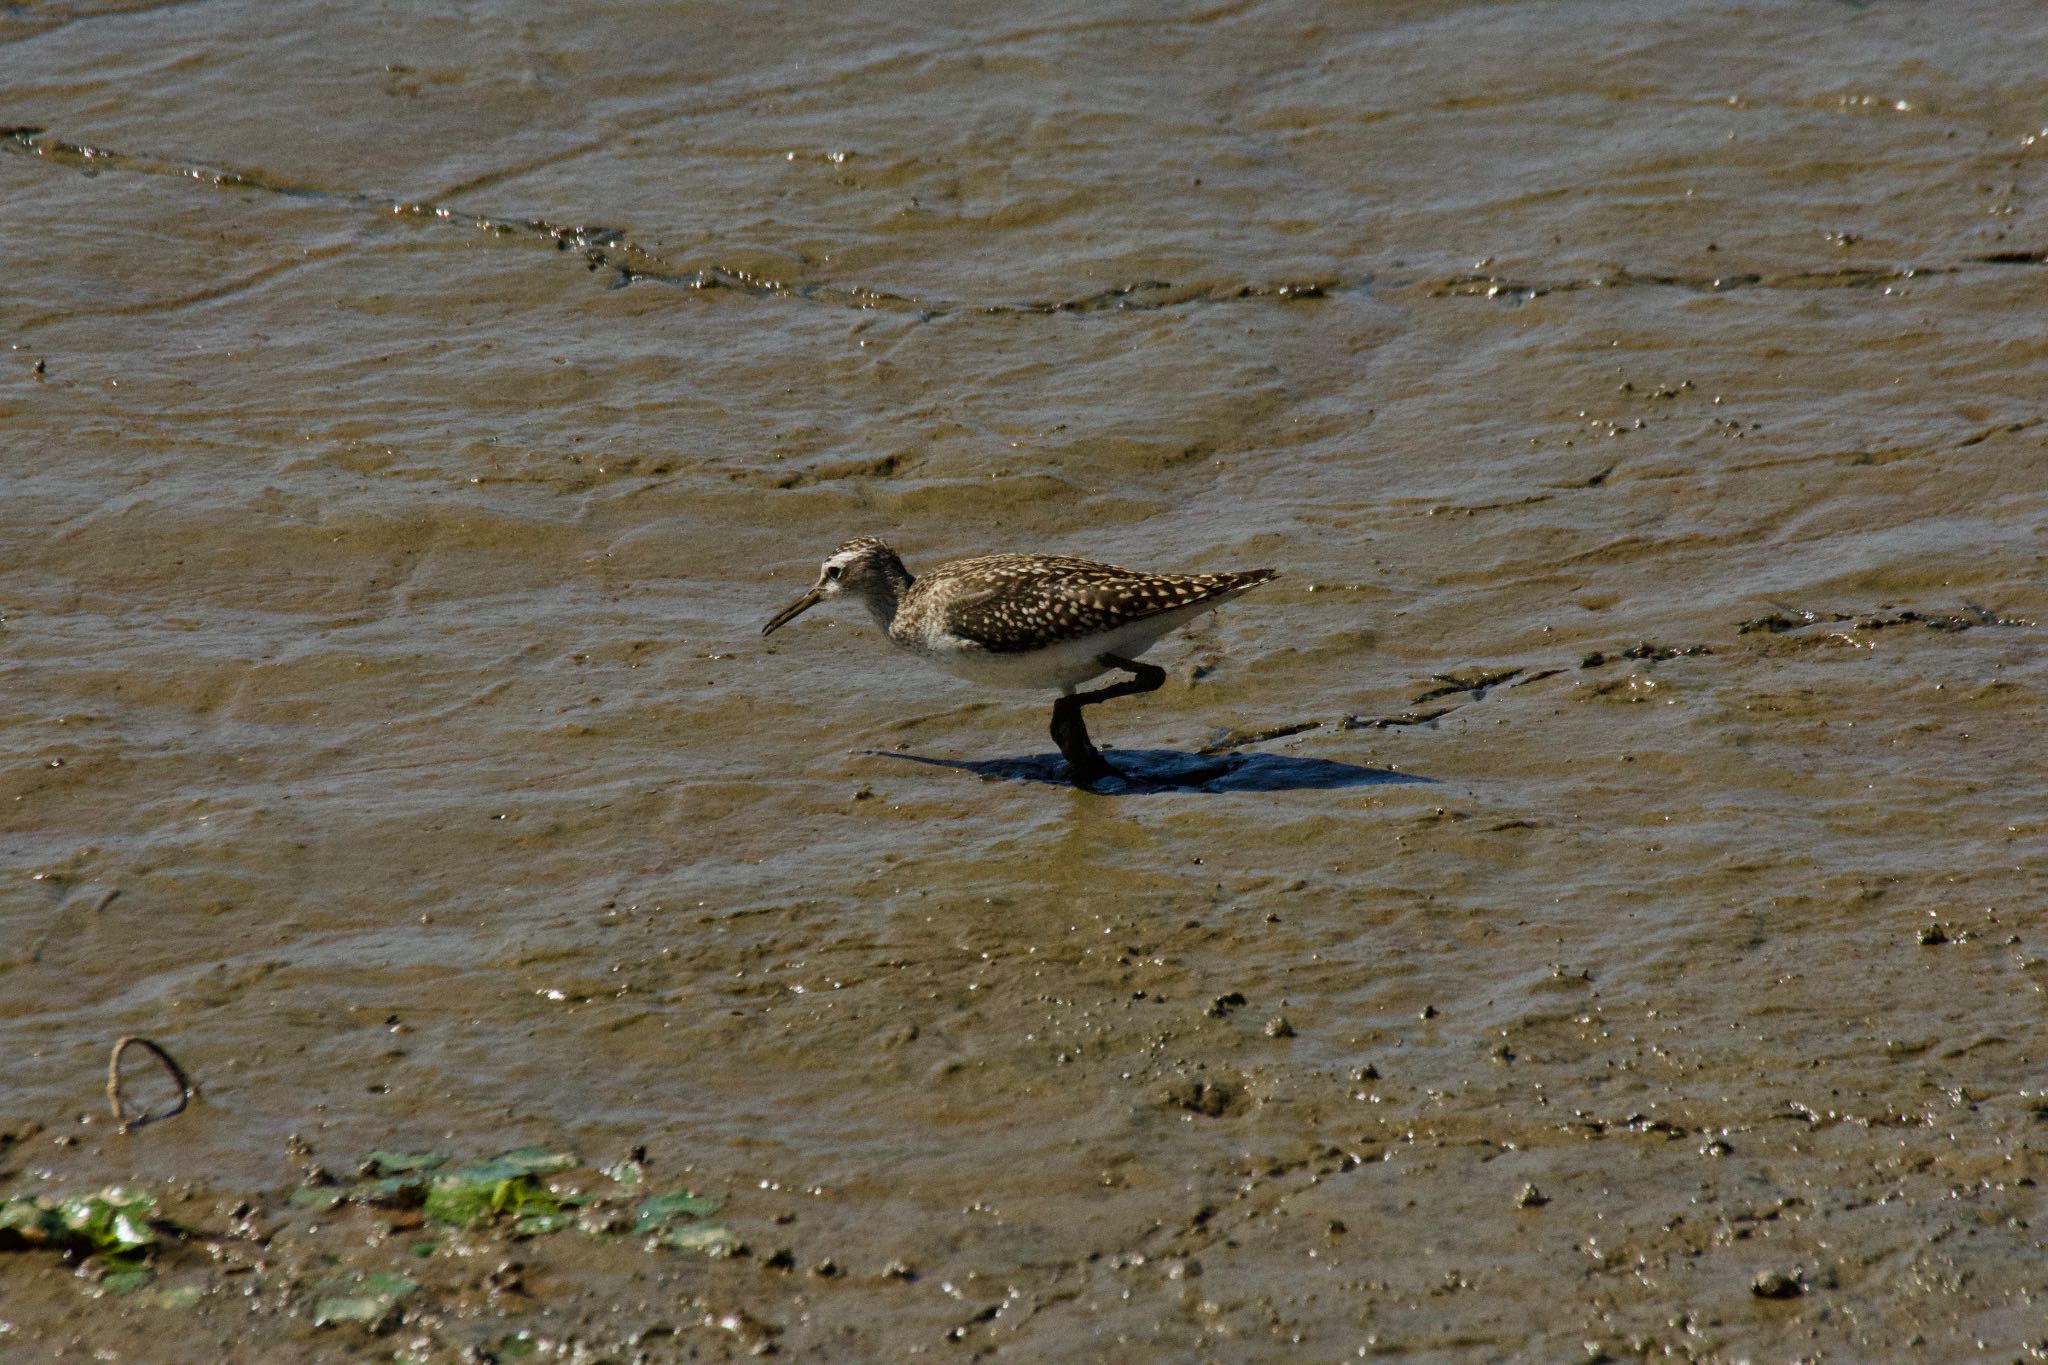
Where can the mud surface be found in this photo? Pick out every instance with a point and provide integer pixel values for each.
(1591, 904)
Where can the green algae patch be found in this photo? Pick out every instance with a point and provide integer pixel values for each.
(370, 1298)
(177, 1296)
(318, 1197)
(676, 1221)
(656, 1214)
(710, 1238)
(110, 1231)
(513, 1192)
(505, 1189)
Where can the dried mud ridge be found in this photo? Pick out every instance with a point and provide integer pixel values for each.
(1474, 684)
(611, 251)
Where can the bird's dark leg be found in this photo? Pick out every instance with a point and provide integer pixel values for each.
(1085, 763)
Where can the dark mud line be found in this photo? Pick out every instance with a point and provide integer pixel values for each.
(1505, 289)
(609, 250)
(1147, 772)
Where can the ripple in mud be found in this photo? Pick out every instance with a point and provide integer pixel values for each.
(1141, 772)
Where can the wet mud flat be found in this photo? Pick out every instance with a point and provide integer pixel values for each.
(1587, 908)
(1286, 1120)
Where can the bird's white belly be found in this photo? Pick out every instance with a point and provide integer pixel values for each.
(1059, 667)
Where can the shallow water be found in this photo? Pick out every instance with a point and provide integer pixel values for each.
(410, 418)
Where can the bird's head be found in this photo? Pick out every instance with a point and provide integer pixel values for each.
(866, 569)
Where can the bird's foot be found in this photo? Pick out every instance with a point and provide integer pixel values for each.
(1084, 770)
(1085, 763)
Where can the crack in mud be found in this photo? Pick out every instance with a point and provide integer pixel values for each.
(1237, 739)
(1474, 685)
(1478, 685)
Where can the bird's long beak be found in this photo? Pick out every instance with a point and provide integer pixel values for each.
(792, 611)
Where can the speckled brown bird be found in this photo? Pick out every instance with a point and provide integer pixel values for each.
(1024, 620)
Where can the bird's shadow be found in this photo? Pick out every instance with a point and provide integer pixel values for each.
(1144, 771)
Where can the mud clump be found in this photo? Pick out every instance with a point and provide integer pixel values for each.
(1210, 1099)
(1776, 1284)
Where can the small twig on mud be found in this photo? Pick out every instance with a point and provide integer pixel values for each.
(1390, 722)
(187, 1091)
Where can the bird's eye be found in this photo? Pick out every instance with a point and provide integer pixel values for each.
(832, 572)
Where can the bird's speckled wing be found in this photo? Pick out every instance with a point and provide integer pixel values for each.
(1008, 604)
